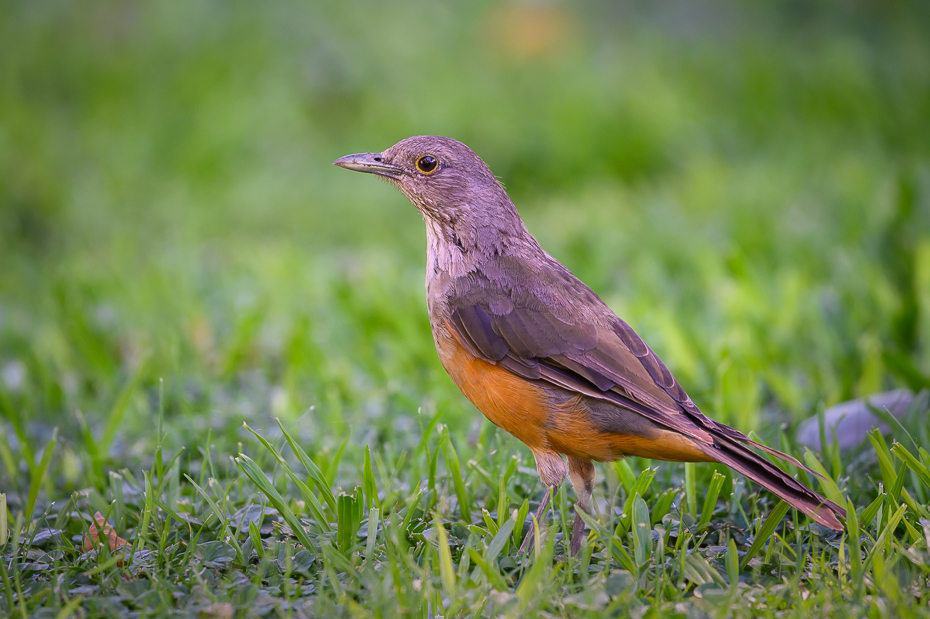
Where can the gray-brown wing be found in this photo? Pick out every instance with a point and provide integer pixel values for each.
(612, 363)
(594, 361)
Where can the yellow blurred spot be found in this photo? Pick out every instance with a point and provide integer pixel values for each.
(530, 29)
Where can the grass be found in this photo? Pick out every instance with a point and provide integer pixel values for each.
(219, 342)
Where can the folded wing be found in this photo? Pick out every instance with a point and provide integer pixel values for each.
(609, 361)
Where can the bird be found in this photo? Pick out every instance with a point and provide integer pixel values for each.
(540, 354)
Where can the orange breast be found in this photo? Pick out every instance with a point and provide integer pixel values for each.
(508, 401)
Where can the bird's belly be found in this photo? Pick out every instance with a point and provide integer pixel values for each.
(573, 431)
(508, 401)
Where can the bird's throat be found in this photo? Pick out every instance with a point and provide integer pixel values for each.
(446, 252)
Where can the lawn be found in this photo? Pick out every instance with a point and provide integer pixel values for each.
(218, 341)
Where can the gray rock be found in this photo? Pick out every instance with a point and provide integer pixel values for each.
(852, 420)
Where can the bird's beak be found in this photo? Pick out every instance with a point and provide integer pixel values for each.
(370, 163)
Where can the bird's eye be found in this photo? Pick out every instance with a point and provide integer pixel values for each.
(427, 164)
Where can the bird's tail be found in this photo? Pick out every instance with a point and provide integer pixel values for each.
(733, 452)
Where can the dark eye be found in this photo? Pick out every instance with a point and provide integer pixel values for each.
(427, 164)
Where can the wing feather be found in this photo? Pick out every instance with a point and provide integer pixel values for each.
(612, 364)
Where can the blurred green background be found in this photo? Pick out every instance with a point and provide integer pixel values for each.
(747, 184)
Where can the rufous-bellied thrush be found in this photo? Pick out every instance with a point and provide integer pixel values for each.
(539, 353)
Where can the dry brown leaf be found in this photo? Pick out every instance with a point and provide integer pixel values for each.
(93, 534)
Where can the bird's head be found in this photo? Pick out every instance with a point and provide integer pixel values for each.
(448, 183)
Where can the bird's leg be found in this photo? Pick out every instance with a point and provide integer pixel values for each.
(552, 471)
(582, 476)
(531, 534)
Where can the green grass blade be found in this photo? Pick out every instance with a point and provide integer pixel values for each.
(118, 412)
(411, 510)
(503, 502)
(914, 506)
(535, 580)
(489, 570)
(691, 488)
(912, 463)
(147, 510)
(489, 522)
(374, 516)
(368, 482)
(699, 571)
(499, 540)
(446, 568)
(639, 488)
(313, 504)
(732, 561)
(664, 504)
(625, 474)
(868, 514)
(347, 527)
(12, 415)
(894, 492)
(455, 470)
(884, 457)
(885, 536)
(826, 482)
(255, 536)
(612, 541)
(710, 501)
(119, 507)
(70, 607)
(221, 518)
(642, 531)
(38, 477)
(312, 469)
(765, 532)
(332, 469)
(924, 456)
(433, 463)
(254, 473)
(6, 456)
(519, 521)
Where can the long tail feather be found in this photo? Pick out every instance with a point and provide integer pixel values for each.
(738, 436)
(745, 461)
